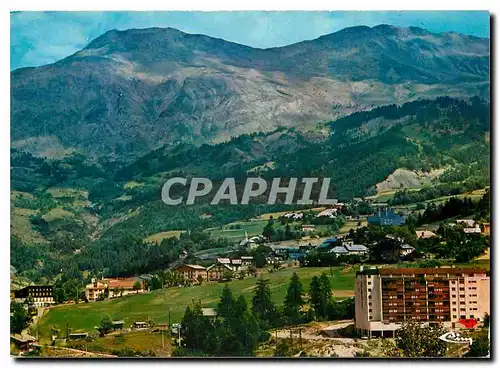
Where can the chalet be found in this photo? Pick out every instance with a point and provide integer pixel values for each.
(424, 234)
(41, 295)
(386, 217)
(216, 271)
(191, 272)
(308, 228)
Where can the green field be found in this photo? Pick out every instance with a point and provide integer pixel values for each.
(155, 305)
(229, 231)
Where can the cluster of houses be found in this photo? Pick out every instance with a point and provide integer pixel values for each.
(468, 226)
(114, 288)
(215, 272)
(473, 227)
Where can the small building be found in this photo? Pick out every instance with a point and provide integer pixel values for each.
(275, 259)
(95, 289)
(78, 336)
(140, 325)
(339, 250)
(41, 295)
(486, 229)
(329, 212)
(386, 217)
(113, 288)
(356, 249)
(424, 234)
(118, 325)
(191, 272)
(209, 313)
(476, 229)
(247, 261)
(466, 222)
(162, 327)
(308, 228)
(22, 342)
(405, 249)
(120, 287)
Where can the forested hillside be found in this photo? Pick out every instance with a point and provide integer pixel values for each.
(80, 213)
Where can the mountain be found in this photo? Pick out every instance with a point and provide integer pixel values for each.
(130, 92)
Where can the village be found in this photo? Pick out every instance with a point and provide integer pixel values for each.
(341, 251)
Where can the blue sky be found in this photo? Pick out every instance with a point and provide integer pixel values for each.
(39, 38)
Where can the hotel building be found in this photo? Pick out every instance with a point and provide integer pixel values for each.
(387, 297)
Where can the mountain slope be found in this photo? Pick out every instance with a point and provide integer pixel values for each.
(129, 92)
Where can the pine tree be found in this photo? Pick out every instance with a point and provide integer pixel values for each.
(326, 293)
(226, 305)
(262, 304)
(293, 300)
(315, 295)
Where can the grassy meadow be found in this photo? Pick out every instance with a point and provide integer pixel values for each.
(155, 305)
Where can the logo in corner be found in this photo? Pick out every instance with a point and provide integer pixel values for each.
(456, 338)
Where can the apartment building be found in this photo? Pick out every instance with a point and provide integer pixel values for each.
(387, 297)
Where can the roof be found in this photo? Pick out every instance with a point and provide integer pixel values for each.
(224, 260)
(219, 264)
(356, 248)
(330, 240)
(22, 338)
(193, 266)
(406, 246)
(118, 322)
(425, 234)
(208, 312)
(246, 257)
(126, 284)
(338, 250)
